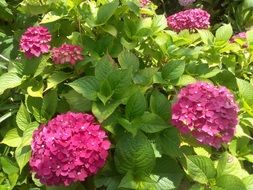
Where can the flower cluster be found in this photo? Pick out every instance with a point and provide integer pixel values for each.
(67, 53)
(189, 19)
(69, 148)
(207, 112)
(35, 41)
(242, 36)
(144, 2)
(185, 3)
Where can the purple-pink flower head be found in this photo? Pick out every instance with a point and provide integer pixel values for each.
(189, 19)
(35, 41)
(67, 53)
(185, 3)
(69, 148)
(144, 2)
(207, 112)
(239, 36)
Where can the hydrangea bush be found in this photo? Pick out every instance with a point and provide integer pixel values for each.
(122, 94)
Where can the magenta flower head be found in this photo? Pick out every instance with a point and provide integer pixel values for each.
(67, 53)
(207, 112)
(69, 148)
(144, 2)
(239, 36)
(185, 3)
(35, 41)
(189, 19)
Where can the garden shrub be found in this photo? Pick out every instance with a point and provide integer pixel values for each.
(126, 94)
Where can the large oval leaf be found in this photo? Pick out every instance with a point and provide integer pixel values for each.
(230, 182)
(200, 168)
(134, 154)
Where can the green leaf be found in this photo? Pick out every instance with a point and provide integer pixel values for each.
(145, 76)
(49, 104)
(150, 123)
(200, 168)
(103, 69)
(230, 182)
(56, 78)
(199, 187)
(36, 90)
(73, 186)
(3, 3)
(28, 133)
(121, 83)
(173, 70)
(102, 112)
(106, 11)
(110, 29)
(13, 178)
(9, 80)
(168, 173)
(249, 36)
(35, 66)
(128, 126)
(245, 90)
(87, 86)
(135, 106)
(34, 104)
(206, 36)
(247, 4)
(228, 164)
(159, 23)
(224, 33)
(128, 182)
(23, 117)
(4, 187)
(50, 17)
(107, 177)
(77, 102)
(248, 182)
(42, 109)
(22, 155)
(8, 166)
(105, 92)
(160, 105)
(185, 80)
(134, 154)
(12, 138)
(128, 60)
(168, 142)
(227, 79)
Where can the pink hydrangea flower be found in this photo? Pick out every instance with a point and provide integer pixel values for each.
(67, 53)
(242, 36)
(185, 3)
(189, 19)
(207, 112)
(35, 41)
(69, 148)
(144, 2)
